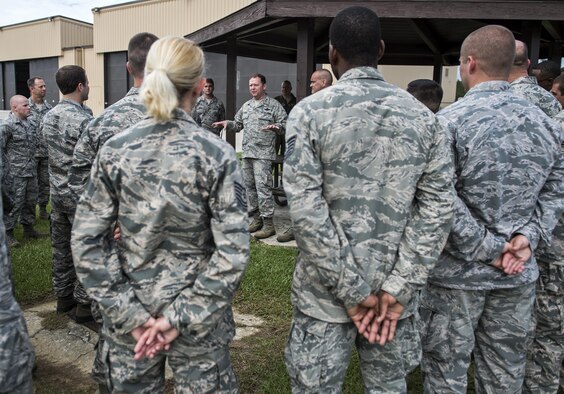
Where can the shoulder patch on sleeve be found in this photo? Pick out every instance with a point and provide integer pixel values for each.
(290, 146)
(241, 195)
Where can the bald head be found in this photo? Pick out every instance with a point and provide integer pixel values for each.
(320, 79)
(19, 106)
(521, 55)
(493, 48)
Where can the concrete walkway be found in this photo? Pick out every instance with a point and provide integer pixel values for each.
(64, 344)
(281, 222)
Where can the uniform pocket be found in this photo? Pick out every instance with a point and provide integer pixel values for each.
(305, 346)
(434, 330)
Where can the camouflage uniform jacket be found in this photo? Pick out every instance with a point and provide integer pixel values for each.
(61, 128)
(35, 118)
(508, 180)
(368, 176)
(287, 105)
(253, 116)
(205, 113)
(19, 142)
(528, 88)
(16, 352)
(177, 194)
(116, 118)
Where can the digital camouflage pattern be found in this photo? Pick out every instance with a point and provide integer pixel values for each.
(347, 185)
(456, 324)
(197, 369)
(19, 144)
(528, 88)
(369, 186)
(62, 126)
(176, 193)
(317, 351)
(35, 118)
(36, 114)
(258, 183)
(508, 180)
(16, 353)
(18, 141)
(252, 117)
(116, 118)
(207, 112)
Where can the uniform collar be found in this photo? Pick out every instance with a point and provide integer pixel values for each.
(361, 73)
(489, 86)
(529, 80)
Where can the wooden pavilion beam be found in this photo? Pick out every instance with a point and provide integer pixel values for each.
(231, 91)
(305, 57)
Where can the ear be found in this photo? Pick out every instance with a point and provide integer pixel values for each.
(128, 67)
(472, 64)
(381, 48)
(333, 55)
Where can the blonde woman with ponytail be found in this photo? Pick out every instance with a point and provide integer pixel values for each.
(176, 193)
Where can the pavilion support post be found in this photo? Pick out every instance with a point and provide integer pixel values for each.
(556, 52)
(231, 93)
(531, 33)
(438, 69)
(305, 57)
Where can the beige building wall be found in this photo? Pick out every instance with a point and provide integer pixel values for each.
(115, 25)
(402, 75)
(93, 63)
(43, 38)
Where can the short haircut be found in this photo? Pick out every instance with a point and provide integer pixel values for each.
(493, 46)
(548, 69)
(68, 78)
(355, 34)
(428, 92)
(210, 81)
(325, 75)
(560, 81)
(521, 54)
(287, 82)
(257, 75)
(31, 81)
(137, 50)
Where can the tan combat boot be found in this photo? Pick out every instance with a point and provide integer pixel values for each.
(267, 230)
(256, 224)
(11, 240)
(286, 236)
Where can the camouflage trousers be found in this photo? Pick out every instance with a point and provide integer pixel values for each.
(16, 358)
(64, 273)
(24, 195)
(494, 325)
(257, 174)
(195, 370)
(42, 181)
(318, 353)
(545, 362)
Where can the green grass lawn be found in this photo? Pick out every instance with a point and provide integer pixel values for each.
(264, 292)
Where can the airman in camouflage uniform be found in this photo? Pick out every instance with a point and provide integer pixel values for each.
(115, 119)
(183, 264)
(287, 100)
(546, 355)
(176, 193)
(368, 176)
(16, 353)
(508, 179)
(261, 118)
(62, 126)
(38, 108)
(208, 109)
(527, 86)
(18, 144)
